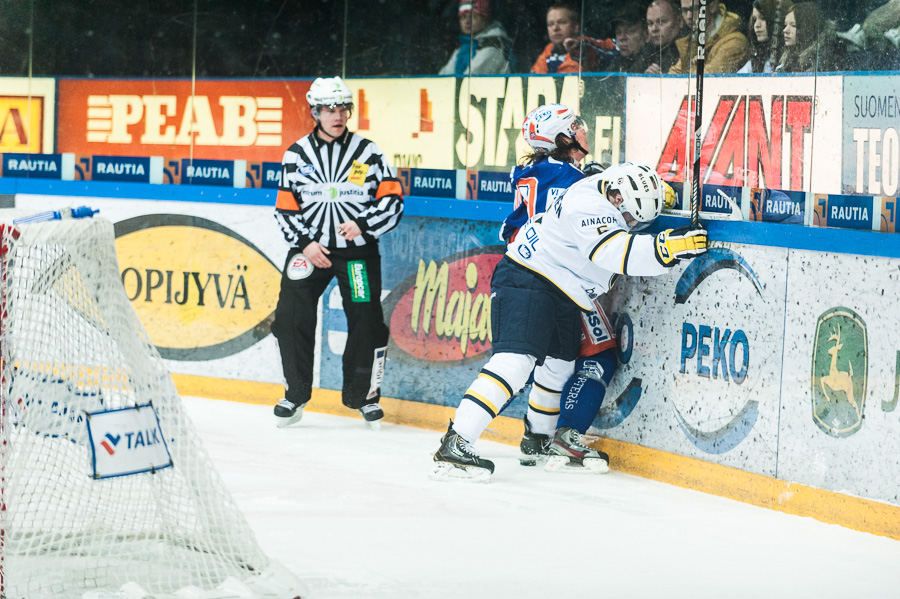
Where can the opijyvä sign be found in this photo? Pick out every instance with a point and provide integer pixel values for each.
(201, 290)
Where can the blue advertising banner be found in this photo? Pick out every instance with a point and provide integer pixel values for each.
(871, 135)
(39, 166)
(487, 185)
(271, 171)
(777, 206)
(843, 211)
(429, 182)
(721, 199)
(207, 172)
(121, 168)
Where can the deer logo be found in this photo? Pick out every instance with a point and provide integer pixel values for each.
(838, 380)
(839, 372)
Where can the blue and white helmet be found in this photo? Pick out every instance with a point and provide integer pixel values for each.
(544, 123)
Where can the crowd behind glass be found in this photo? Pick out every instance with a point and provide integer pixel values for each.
(307, 38)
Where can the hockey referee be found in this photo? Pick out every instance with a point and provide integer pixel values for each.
(337, 196)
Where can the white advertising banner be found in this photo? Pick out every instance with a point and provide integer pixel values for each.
(777, 132)
(839, 423)
(126, 441)
(701, 365)
(411, 120)
(203, 278)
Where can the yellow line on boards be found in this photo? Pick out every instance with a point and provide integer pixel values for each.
(861, 514)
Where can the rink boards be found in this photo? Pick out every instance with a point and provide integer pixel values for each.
(760, 372)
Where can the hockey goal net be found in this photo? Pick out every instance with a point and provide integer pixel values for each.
(105, 488)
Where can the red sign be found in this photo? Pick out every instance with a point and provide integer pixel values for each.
(444, 310)
(739, 133)
(222, 120)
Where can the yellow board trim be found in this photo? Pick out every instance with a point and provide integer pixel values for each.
(865, 515)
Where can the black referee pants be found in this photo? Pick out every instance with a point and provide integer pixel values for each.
(358, 272)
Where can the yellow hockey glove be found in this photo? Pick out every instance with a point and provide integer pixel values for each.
(671, 197)
(679, 244)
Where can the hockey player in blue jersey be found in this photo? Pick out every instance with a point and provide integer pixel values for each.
(553, 270)
(558, 137)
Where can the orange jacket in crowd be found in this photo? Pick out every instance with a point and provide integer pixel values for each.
(592, 49)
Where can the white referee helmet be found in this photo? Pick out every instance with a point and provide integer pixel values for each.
(328, 91)
(643, 192)
(543, 124)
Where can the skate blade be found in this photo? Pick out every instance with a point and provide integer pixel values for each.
(374, 425)
(283, 422)
(561, 463)
(444, 471)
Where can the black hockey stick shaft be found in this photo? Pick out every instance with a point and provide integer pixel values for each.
(698, 111)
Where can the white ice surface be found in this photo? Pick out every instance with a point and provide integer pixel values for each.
(352, 513)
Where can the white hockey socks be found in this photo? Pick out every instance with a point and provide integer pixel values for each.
(499, 380)
(543, 401)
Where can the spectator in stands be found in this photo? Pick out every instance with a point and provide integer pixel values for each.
(727, 49)
(810, 42)
(764, 36)
(634, 55)
(664, 25)
(567, 52)
(878, 36)
(484, 46)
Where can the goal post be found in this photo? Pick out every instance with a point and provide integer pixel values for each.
(105, 487)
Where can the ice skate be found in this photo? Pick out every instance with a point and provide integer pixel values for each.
(569, 453)
(457, 459)
(534, 446)
(288, 413)
(372, 413)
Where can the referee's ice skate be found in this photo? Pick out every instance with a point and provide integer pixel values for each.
(372, 413)
(288, 413)
(569, 453)
(457, 459)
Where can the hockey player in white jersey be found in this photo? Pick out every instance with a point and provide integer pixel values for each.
(558, 264)
(557, 137)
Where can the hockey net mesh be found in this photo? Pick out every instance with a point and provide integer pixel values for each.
(72, 344)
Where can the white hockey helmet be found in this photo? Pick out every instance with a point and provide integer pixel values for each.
(544, 123)
(329, 91)
(643, 192)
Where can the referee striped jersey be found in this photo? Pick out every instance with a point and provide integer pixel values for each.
(325, 184)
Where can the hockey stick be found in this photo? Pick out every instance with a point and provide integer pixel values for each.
(775, 40)
(698, 111)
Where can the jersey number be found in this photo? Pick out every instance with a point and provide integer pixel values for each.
(526, 192)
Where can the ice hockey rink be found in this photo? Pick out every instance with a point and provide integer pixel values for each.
(352, 513)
